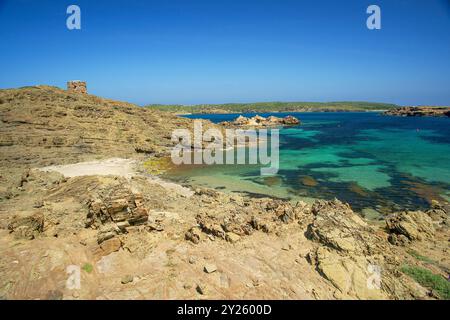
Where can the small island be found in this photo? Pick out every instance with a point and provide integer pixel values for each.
(258, 121)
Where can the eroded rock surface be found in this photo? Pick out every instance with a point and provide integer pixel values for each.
(420, 112)
(258, 121)
(131, 236)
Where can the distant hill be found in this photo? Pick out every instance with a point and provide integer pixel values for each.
(275, 107)
(43, 124)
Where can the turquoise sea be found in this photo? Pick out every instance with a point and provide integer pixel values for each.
(376, 163)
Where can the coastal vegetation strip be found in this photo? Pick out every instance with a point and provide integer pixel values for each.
(262, 107)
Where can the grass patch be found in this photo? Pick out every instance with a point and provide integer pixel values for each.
(419, 257)
(157, 166)
(429, 280)
(87, 267)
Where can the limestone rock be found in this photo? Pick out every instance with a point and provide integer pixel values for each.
(290, 120)
(350, 254)
(350, 275)
(126, 279)
(209, 225)
(439, 214)
(209, 268)
(77, 86)
(258, 121)
(415, 225)
(201, 288)
(232, 237)
(27, 226)
(419, 112)
(337, 226)
(122, 207)
(194, 235)
(110, 246)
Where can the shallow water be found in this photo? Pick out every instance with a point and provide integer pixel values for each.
(369, 160)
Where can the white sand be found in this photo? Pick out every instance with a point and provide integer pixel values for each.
(115, 167)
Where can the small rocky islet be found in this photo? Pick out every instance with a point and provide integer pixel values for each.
(146, 238)
(259, 121)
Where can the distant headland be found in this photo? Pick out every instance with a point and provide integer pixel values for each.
(266, 107)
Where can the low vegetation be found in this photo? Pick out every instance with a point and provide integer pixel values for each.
(428, 279)
(420, 257)
(88, 267)
(262, 107)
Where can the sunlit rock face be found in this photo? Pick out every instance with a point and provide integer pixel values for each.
(77, 86)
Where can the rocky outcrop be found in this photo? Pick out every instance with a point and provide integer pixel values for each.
(351, 254)
(27, 225)
(77, 87)
(258, 121)
(337, 226)
(43, 126)
(255, 247)
(408, 226)
(419, 112)
(239, 218)
(115, 213)
(124, 209)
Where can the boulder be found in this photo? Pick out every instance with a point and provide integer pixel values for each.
(107, 247)
(290, 120)
(232, 237)
(241, 120)
(415, 225)
(258, 121)
(123, 208)
(194, 235)
(439, 214)
(210, 226)
(210, 268)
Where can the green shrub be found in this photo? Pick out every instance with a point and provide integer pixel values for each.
(429, 280)
(88, 267)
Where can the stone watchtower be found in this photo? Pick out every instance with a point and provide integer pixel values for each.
(77, 86)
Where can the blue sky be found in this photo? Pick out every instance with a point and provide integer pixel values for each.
(217, 51)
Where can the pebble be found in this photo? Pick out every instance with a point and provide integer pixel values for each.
(209, 268)
(192, 260)
(127, 279)
(201, 289)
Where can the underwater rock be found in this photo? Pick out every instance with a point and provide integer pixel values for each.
(308, 181)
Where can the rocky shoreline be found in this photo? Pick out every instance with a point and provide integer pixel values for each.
(205, 238)
(258, 121)
(419, 112)
(66, 205)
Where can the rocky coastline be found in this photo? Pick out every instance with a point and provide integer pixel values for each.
(66, 205)
(258, 121)
(419, 112)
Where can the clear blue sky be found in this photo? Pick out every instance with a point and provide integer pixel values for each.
(215, 51)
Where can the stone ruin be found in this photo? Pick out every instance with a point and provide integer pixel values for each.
(77, 86)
